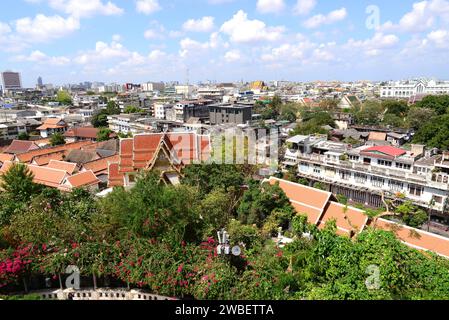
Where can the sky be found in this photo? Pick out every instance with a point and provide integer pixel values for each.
(70, 41)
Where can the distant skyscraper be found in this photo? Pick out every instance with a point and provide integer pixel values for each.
(11, 80)
(40, 83)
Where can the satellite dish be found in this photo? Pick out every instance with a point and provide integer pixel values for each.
(236, 251)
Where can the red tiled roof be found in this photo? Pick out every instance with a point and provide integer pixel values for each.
(115, 178)
(351, 219)
(68, 167)
(100, 166)
(46, 158)
(311, 200)
(415, 238)
(42, 175)
(82, 132)
(83, 179)
(388, 150)
(52, 123)
(18, 146)
(6, 157)
(348, 219)
(28, 156)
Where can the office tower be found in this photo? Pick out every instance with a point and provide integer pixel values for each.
(11, 80)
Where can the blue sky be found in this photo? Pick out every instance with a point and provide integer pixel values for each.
(68, 41)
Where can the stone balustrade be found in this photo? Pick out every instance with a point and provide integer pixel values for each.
(99, 294)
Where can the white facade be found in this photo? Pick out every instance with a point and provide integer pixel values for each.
(410, 88)
(417, 178)
(160, 110)
(153, 86)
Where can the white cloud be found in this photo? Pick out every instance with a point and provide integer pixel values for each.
(104, 52)
(43, 28)
(270, 6)
(156, 54)
(205, 24)
(83, 8)
(440, 38)
(375, 45)
(320, 19)
(147, 6)
(232, 55)
(423, 16)
(304, 7)
(242, 30)
(41, 58)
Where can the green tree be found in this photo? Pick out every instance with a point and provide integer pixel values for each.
(439, 104)
(397, 108)
(132, 109)
(411, 214)
(63, 97)
(417, 117)
(100, 119)
(23, 136)
(112, 108)
(434, 133)
(369, 113)
(104, 134)
(259, 202)
(57, 139)
(18, 183)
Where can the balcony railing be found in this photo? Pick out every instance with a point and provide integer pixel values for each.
(345, 164)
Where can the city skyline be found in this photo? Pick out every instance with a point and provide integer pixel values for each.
(70, 41)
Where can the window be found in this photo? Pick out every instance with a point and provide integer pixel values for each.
(377, 182)
(415, 190)
(345, 175)
(438, 199)
(360, 177)
(317, 169)
(396, 185)
(354, 158)
(403, 166)
(384, 163)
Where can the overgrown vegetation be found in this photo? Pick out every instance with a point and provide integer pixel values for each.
(160, 238)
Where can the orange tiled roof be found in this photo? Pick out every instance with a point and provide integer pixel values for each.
(311, 200)
(100, 166)
(415, 238)
(115, 177)
(348, 219)
(353, 219)
(19, 146)
(82, 132)
(46, 158)
(42, 175)
(83, 179)
(28, 156)
(68, 167)
(52, 123)
(6, 157)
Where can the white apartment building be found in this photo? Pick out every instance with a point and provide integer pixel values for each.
(153, 86)
(185, 91)
(161, 109)
(369, 174)
(410, 88)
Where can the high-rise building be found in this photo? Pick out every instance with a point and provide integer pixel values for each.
(40, 83)
(11, 80)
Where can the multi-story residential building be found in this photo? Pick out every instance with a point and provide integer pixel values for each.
(371, 174)
(230, 113)
(130, 123)
(410, 88)
(211, 93)
(184, 110)
(153, 86)
(11, 80)
(161, 110)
